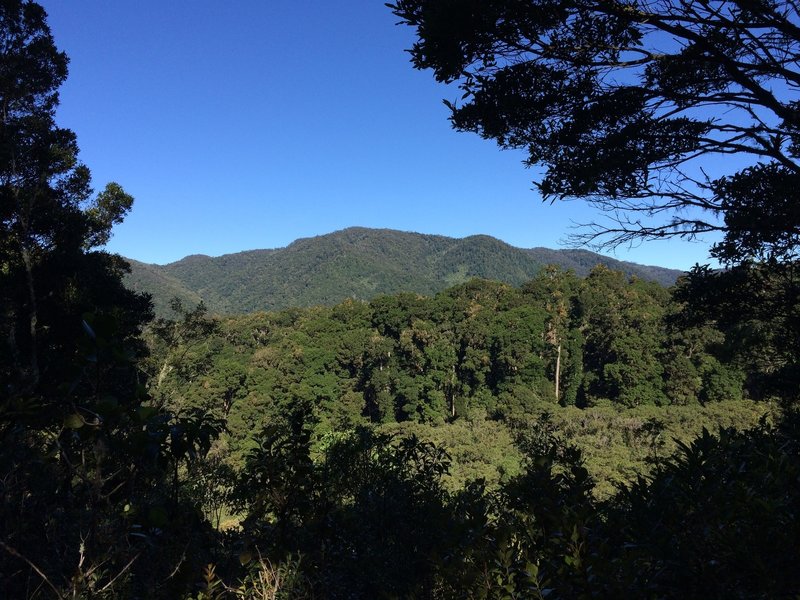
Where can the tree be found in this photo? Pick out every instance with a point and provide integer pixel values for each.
(626, 104)
(178, 350)
(623, 332)
(757, 308)
(85, 462)
(555, 290)
(716, 520)
(50, 226)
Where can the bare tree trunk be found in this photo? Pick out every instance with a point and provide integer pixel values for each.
(162, 374)
(452, 394)
(558, 372)
(33, 315)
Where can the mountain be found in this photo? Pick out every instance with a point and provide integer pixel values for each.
(355, 263)
(161, 286)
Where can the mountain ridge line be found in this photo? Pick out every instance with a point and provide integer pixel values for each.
(359, 263)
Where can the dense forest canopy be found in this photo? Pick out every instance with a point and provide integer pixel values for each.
(477, 352)
(549, 440)
(483, 346)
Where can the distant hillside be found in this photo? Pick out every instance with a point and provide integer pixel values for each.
(356, 263)
(583, 261)
(163, 287)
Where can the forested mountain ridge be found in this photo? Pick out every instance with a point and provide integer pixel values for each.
(358, 263)
(163, 287)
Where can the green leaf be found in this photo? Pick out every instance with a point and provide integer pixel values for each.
(74, 421)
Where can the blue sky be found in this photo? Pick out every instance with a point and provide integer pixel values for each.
(250, 124)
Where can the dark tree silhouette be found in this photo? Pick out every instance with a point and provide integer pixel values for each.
(626, 103)
(78, 441)
(51, 226)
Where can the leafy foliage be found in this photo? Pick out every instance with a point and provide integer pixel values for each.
(407, 447)
(626, 103)
(757, 306)
(89, 469)
(684, 532)
(482, 347)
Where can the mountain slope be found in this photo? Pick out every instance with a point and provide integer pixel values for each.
(583, 261)
(356, 263)
(153, 280)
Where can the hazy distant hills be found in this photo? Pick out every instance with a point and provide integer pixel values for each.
(355, 263)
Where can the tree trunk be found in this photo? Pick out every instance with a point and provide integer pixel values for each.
(558, 372)
(452, 394)
(32, 315)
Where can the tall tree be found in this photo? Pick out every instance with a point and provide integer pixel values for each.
(624, 332)
(626, 102)
(554, 289)
(83, 460)
(50, 225)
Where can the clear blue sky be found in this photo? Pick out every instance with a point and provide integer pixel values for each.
(241, 125)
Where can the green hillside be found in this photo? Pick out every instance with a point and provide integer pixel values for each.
(153, 280)
(356, 263)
